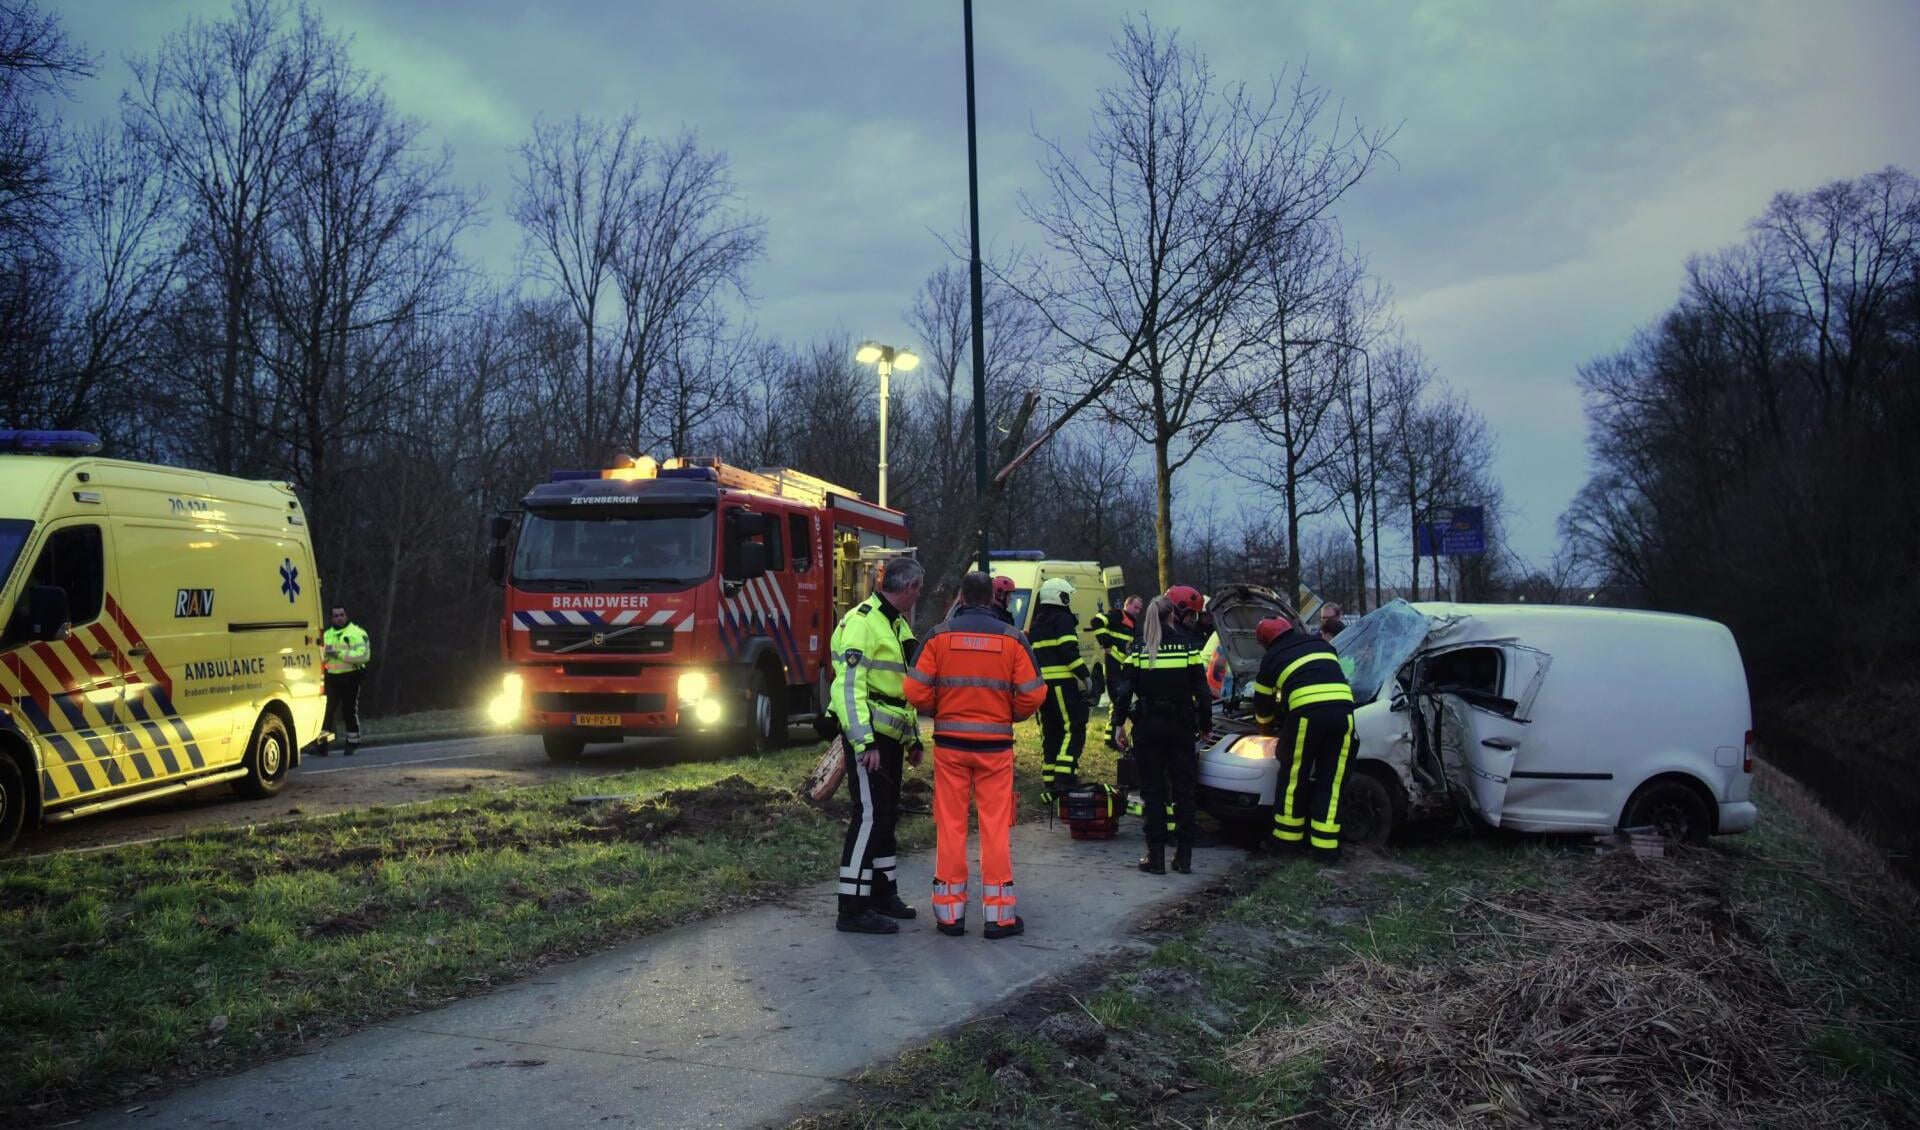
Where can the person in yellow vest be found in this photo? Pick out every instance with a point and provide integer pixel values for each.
(872, 648)
(348, 653)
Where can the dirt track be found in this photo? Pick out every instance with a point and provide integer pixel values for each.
(393, 774)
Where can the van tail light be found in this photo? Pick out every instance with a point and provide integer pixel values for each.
(1748, 760)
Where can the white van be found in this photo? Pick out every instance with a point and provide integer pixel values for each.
(1540, 718)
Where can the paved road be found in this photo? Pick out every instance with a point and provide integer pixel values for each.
(742, 1020)
(393, 774)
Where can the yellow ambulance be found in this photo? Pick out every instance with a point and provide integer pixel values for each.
(161, 632)
(1096, 588)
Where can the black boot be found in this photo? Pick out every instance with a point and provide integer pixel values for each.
(1183, 859)
(895, 908)
(1155, 861)
(866, 922)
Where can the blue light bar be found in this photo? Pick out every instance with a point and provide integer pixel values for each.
(1018, 554)
(27, 442)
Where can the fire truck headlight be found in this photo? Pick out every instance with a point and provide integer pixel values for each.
(504, 708)
(693, 687)
(708, 712)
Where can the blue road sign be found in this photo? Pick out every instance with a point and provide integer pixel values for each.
(1451, 531)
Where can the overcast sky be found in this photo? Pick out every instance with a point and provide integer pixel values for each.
(1555, 163)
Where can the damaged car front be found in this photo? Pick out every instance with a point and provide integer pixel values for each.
(1389, 780)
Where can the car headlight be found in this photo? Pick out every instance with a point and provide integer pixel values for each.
(512, 684)
(1254, 748)
(693, 686)
(708, 712)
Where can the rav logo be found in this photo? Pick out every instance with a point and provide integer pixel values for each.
(193, 602)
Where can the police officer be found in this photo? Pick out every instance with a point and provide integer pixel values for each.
(1166, 687)
(1063, 718)
(871, 648)
(1302, 695)
(348, 651)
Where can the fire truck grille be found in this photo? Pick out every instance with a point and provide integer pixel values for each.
(560, 702)
(581, 638)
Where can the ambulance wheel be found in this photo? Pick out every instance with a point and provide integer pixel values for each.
(561, 747)
(13, 800)
(764, 729)
(269, 758)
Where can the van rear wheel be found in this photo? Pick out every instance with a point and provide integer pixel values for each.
(268, 758)
(1674, 808)
(13, 801)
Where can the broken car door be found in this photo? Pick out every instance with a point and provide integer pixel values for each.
(1480, 698)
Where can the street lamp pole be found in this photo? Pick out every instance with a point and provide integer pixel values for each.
(979, 332)
(887, 358)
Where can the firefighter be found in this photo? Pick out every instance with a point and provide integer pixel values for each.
(1002, 594)
(1165, 696)
(976, 677)
(871, 649)
(1302, 695)
(1114, 629)
(1063, 720)
(348, 651)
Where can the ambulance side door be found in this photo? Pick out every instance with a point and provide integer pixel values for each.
(173, 605)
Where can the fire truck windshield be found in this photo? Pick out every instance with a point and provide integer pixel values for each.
(666, 546)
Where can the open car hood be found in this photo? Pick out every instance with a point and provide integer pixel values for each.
(1237, 610)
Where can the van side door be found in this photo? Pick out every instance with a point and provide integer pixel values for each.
(1483, 694)
(171, 609)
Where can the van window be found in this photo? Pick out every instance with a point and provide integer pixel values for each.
(800, 541)
(1473, 673)
(13, 536)
(72, 560)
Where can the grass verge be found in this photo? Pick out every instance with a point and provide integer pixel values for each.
(455, 719)
(1768, 980)
(143, 966)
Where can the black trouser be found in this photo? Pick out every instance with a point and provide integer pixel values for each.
(1314, 746)
(343, 704)
(1063, 731)
(866, 858)
(1163, 747)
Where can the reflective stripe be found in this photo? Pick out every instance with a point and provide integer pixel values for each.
(919, 676)
(974, 681)
(956, 726)
(1319, 692)
(1290, 668)
(1262, 688)
(860, 841)
(1293, 775)
(1325, 827)
(851, 889)
(1339, 775)
(1287, 836)
(1030, 685)
(1057, 674)
(886, 864)
(1323, 844)
(1169, 662)
(1057, 641)
(882, 665)
(1286, 821)
(1263, 719)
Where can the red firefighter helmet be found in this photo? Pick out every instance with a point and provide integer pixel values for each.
(1270, 629)
(1187, 599)
(1002, 585)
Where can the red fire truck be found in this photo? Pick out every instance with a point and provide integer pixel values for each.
(688, 596)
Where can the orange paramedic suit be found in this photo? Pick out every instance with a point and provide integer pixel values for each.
(976, 676)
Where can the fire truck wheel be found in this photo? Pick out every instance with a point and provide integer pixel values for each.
(561, 747)
(764, 729)
(268, 758)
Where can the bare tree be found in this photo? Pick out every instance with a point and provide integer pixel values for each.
(360, 259)
(687, 246)
(221, 107)
(36, 59)
(1161, 233)
(574, 198)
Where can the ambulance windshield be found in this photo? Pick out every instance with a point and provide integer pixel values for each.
(615, 550)
(13, 535)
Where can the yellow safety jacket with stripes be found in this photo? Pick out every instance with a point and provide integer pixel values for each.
(348, 648)
(1056, 645)
(1113, 629)
(871, 649)
(1297, 672)
(1171, 682)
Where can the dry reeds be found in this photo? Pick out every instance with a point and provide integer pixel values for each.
(1634, 997)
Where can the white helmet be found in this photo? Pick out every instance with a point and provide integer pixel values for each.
(1055, 590)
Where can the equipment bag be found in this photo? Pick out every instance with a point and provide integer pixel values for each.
(1092, 812)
